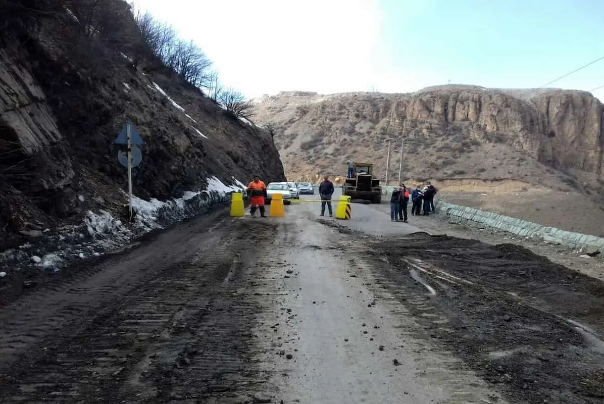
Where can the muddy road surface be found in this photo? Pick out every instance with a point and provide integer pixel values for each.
(304, 309)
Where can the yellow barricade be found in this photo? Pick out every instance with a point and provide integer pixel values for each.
(277, 208)
(344, 210)
(237, 209)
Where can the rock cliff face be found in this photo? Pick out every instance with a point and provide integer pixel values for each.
(62, 103)
(477, 132)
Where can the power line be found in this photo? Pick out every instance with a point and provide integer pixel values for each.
(597, 88)
(574, 71)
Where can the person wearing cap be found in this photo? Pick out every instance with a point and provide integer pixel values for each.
(257, 191)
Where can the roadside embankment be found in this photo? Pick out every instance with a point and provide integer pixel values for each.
(522, 228)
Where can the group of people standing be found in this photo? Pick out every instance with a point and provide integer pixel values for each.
(422, 199)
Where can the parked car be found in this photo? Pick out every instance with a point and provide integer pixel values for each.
(278, 188)
(294, 190)
(306, 188)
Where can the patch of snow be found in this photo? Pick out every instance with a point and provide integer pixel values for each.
(51, 261)
(200, 134)
(72, 15)
(188, 116)
(81, 255)
(81, 198)
(2, 274)
(214, 184)
(239, 183)
(102, 223)
(127, 86)
(245, 120)
(146, 209)
(36, 259)
(126, 57)
(162, 92)
(189, 195)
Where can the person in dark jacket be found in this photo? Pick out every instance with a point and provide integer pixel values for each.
(403, 202)
(433, 192)
(428, 198)
(326, 190)
(395, 201)
(417, 197)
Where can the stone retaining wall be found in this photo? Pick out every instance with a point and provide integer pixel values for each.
(519, 227)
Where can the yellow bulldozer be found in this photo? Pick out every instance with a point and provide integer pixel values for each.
(362, 184)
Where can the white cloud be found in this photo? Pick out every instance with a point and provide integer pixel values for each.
(266, 46)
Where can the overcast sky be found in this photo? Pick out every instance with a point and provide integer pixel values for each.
(266, 46)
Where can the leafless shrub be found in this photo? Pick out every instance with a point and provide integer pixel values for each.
(271, 128)
(186, 59)
(235, 103)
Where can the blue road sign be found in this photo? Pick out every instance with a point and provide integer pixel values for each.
(135, 138)
(137, 157)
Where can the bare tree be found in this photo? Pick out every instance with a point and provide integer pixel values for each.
(185, 58)
(271, 128)
(214, 88)
(234, 102)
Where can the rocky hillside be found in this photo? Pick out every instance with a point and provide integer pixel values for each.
(550, 136)
(532, 154)
(67, 87)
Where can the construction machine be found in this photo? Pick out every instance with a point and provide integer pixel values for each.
(362, 185)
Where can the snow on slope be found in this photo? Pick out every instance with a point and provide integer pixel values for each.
(162, 92)
(101, 232)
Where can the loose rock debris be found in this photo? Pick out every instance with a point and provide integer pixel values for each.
(527, 325)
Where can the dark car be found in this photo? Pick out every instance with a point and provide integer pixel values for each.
(305, 188)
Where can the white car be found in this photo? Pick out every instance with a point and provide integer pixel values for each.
(294, 190)
(278, 188)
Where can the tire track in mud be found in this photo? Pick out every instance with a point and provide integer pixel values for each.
(175, 333)
(507, 313)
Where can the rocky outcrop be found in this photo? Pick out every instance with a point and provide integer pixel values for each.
(561, 129)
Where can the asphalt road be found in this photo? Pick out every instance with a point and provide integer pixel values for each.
(305, 309)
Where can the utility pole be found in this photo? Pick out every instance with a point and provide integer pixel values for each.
(400, 161)
(388, 162)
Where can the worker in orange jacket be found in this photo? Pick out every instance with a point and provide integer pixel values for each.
(257, 192)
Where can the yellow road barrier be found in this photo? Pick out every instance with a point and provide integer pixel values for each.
(237, 209)
(344, 210)
(277, 208)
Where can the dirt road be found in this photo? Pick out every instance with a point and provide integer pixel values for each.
(307, 310)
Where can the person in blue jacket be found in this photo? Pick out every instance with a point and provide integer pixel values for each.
(417, 197)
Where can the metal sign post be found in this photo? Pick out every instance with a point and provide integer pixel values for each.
(129, 157)
(132, 157)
